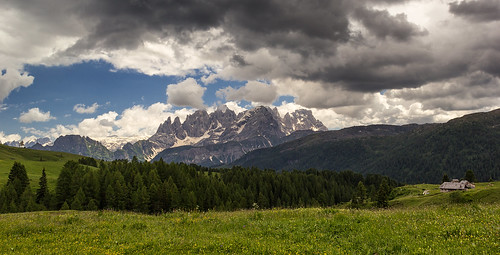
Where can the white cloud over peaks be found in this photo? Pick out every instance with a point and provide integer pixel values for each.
(35, 115)
(113, 129)
(81, 108)
(235, 107)
(11, 79)
(252, 91)
(8, 138)
(186, 93)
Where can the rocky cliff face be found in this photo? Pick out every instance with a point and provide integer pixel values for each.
(222, 136)
(208, 139)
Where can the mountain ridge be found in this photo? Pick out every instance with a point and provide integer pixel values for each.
(422, 154)
(259, 127)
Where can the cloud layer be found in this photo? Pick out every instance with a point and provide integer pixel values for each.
(433, 60)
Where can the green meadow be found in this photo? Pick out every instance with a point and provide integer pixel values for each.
(449, 227)
(34, 161)
(435, 223)
(460, 229)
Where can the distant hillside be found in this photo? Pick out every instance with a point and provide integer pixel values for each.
(80, 145)
(422, 154)
(34, 161)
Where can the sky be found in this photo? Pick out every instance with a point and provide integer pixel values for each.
(114, 70)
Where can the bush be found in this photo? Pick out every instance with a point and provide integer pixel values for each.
(460, 197)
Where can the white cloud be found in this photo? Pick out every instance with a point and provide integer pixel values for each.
(113, 129)
(12, 79)
(82, 109)
(186, 93)
(8, 138)
(235, 107)
(35, 115)
(252, 91)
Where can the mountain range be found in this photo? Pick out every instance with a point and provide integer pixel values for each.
(206, 139)
(261, 138)
(411, 153)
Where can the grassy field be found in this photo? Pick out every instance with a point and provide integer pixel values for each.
(460, 229)
(411, 196)
(34, 161)
(415, 224)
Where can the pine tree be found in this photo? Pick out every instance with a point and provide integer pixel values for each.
(383, 194)
(359, 196)
(78, 200)
(110, 197)
(67, 186)
(42, 191)
(92, 205)
(445, 178)
(469, 176)
(173, 194)
(143, 205)
(64, 206)
(26, 201)
(18, 172)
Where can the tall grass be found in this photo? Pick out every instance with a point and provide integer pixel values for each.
(459, 228)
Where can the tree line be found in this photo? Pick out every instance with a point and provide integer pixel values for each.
(163, 187)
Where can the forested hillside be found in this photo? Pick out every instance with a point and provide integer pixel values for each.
(161, 187)
(423, 154)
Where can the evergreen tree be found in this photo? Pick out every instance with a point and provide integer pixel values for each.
(18, 172)
(27, 201)
(469, 176)
(140, 200)
(42, 191)
(359, 196)
(78, 200)
(445, 178)
(110, 197)
(64, 206)
(383, 194)
(10, 198)
(67, 185)
(92, 205)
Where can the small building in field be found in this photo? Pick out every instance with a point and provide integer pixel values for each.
(455, 184)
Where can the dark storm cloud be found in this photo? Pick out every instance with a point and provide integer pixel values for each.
(382, 24)
(238, 60)
(390, 55)
(472, 91)
(482, 10)
(390, 67)
(301, 25)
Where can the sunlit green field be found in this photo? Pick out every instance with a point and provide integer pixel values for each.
(460, 229)
(34, 161)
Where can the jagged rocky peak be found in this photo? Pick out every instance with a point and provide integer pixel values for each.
(197, 123)
(165, 127)
(222, 117)
(260, 127)
(303, 119)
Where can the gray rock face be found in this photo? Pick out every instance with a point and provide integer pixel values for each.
(301, 120)
(80, 145)
(207, 139)
(222, 136)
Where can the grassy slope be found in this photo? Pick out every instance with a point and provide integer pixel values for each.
(471, 229)
(411, 195)
(409, 228)
(52, 161)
